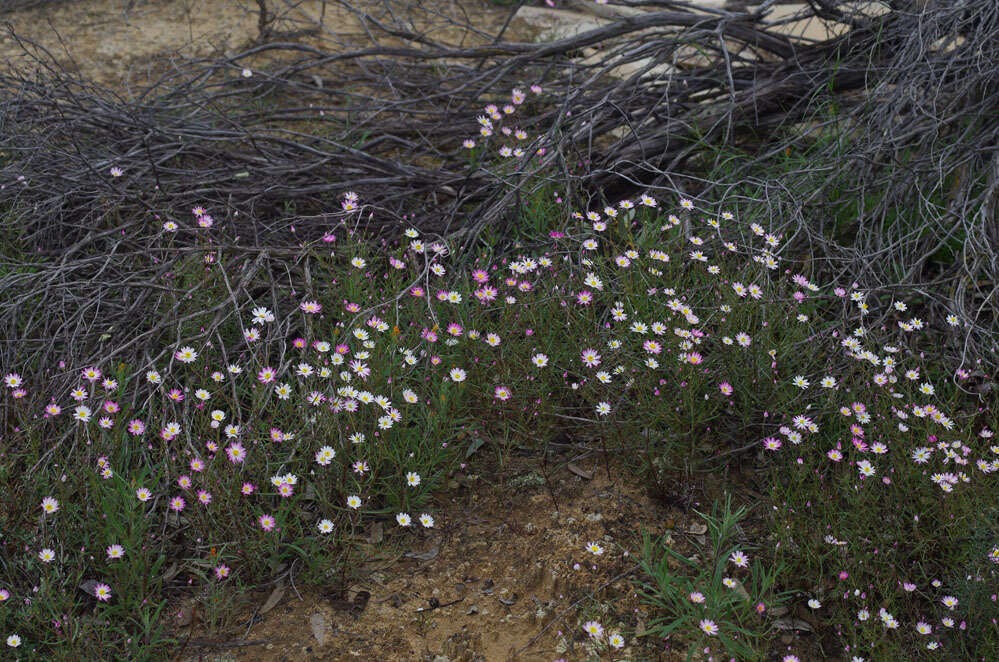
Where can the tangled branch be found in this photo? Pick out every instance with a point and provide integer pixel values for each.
(895, 110)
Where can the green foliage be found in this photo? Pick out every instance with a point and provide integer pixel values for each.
(347, 390)
(710, 595)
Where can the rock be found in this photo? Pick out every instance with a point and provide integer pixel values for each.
(542, 24)
(618, 11)
(814, 28)
(605, 11)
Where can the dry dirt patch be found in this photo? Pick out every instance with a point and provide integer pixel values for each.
(104, 41)
(118, 43)
(503, 571)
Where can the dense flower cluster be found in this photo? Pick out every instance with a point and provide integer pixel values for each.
(329, 406)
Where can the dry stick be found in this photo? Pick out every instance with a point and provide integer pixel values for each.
(190, 114)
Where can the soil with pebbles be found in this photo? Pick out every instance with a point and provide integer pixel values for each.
(504, 572)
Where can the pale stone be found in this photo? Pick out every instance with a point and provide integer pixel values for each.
(545, 24)
(813, 28)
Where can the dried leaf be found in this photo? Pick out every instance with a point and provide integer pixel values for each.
(319, 627)
(310, 493)
(376, 533)
(341, 605)
(273, 599)
(360, 602)
(741, 590)
(792, 624)
(428, 555)
(582, 473)
(476, 444)
(640, 627)
(171, 572)
(90, 587)
(698, 528)
(186, 613)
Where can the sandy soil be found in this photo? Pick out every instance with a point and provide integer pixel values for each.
(110, 43)
(511, 574)
(124, 42)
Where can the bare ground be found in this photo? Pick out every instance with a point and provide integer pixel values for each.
(123, 44)
(509, 571)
